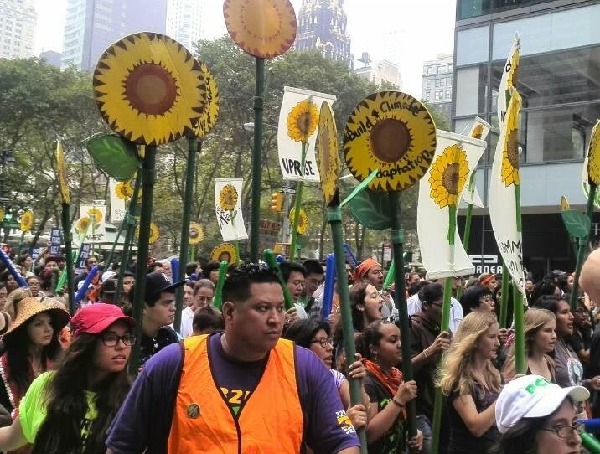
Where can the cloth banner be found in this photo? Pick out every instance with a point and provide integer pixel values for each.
(479, 130)
(507, 81)
(290, 150)
(434, 219)
(117, 205)
(55, 240)
(228, 208)
(96, 231)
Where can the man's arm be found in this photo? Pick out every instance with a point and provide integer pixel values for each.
(352, 450)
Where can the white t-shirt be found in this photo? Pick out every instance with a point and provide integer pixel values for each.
(414, 305)
(187, 322)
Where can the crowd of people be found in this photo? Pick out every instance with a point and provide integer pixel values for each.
(248, 375)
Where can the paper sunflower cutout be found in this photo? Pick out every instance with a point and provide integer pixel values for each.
(302, 221)
(82, 225)
(1, 214)
(593, 164)
(61, 175)
(123, 190)
(328, 158)
(302, 121)
(95, 215)
(477, 131)
(210, 109)
(448, 176)
(154, 233)
(228, 197)
(393, 133)
(224, 252)
(262, 28)
(196, 233)
(27, 221)
(149, 88)
(510, 151)
(564, 203)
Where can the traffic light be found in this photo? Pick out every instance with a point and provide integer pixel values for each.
(277, 202)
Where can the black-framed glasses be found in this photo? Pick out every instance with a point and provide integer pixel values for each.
(112, 339)
(563, 431)
(324, 342)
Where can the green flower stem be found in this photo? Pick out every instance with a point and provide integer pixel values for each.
(194, 147)
(218, 301)
(256, 159)
(334, 218)
(298, 204)
(66, 222)
(148, 177)
(272, 262)
(236, 247)
(520, 363)
(583, 246)
(505, 297)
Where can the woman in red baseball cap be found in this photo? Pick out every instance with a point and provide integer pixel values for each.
(71, 408)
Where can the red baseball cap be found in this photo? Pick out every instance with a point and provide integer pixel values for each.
(95, 318)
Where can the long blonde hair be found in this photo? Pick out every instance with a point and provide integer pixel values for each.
(535, 319)
(456, 372)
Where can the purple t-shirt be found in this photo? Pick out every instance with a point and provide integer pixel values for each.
(144, 420)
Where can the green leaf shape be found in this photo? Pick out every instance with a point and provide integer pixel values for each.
(360, 187)
(577, 224)
(114, 155)
(372, 209)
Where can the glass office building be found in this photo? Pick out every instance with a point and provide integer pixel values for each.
(559, 81)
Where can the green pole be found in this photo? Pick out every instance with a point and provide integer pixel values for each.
(148, 177)
(270, 260)
(66, 222)
(400, 302)
(590, 443)
(256, 159)
(389, 277)
(583, 246)
(334, 218)
(190, 173)
(130, 220)
(297, 205)
(218, 300)
(520, 361)
(469, 218)
(505, 297)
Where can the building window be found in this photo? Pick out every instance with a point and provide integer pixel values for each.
(438, 95)
(448, 95)
(431, 70)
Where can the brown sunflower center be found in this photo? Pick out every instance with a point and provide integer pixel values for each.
(151, 89)
(390, 140)
(450, 178)
(303, 122)
(512, 148)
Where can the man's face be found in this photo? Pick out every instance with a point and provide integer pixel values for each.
(188, 294)
(128, 283)
(163, 311)
(312, 283)
(376, 277)
(295, 284)
(259, 320)
(214, 276)
(50, 265)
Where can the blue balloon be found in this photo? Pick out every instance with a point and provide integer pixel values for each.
(88, 280)
(328, 286)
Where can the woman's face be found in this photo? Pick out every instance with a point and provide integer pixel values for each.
(545, 338)
(11, 283)
(34, 286)
(486, 304)
(389, 351)
(27, 263)
(3, 295)
(112, 351)
(322, 346)
(373, 304)
(488, 343)
(40, 330)
(564, 319)
(203, 298)
(547, 440)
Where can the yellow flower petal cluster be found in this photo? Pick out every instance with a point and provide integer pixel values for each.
(328, 158)
(302, 121)
(61, 175)
(448, 176)
(593, 166)
(224, 252)
(154, 233)
(510, 152)
(123, 190)
(302, 221)
(228, 197)
(82, 225)
(210, 109)
(95, 215)
(27, 219)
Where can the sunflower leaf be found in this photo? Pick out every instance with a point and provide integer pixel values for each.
(577, 224)
(371, 209)
(360, 187)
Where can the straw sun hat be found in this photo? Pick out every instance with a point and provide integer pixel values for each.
(30, 307)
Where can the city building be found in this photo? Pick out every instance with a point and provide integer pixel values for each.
(93, 25)
(322, 27)
(51, 57)
(17, 28)
(185, 21)
(437, 84)
(380, 72)
(559, 81)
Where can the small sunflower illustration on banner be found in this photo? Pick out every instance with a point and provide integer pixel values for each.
(82, 225)
(224, 252)
(393, 133)
(228, 208)
(297, 133)
(149, 88)
(123, 190)
(95, 231)
(302, 221)
(440, 193)
(27, 220)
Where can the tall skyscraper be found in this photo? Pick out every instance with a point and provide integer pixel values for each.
(92, 25)
(184, 21)
(322, 27)
(17, 27)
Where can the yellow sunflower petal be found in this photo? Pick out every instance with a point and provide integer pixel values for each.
(27, 219)
(96, 215)
(228, 197)
(210, 109)
(61, 175)
(263, 28)
(224, 252)
(593, 155)
(302, 121)
(328, 158)
(448, 176)
(391, 132)
(510, 152)
(149, 88)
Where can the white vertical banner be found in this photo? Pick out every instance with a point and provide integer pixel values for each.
(228, 208)
(508, 80)
(479, 130)
(96, 213)
(296, 121)
(117, 205)
(455, 158)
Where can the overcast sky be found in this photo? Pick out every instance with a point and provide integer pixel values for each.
(407, 32)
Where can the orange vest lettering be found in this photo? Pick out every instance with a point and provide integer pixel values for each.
(270, 421)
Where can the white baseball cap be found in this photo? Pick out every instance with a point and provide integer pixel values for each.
(532, 396)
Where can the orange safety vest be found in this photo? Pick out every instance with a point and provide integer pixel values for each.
(270, 421)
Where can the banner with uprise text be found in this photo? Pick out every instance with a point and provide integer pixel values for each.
(228, 208)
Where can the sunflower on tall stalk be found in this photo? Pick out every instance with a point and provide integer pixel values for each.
(302, 121)
(302, 221)
(154, 233)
